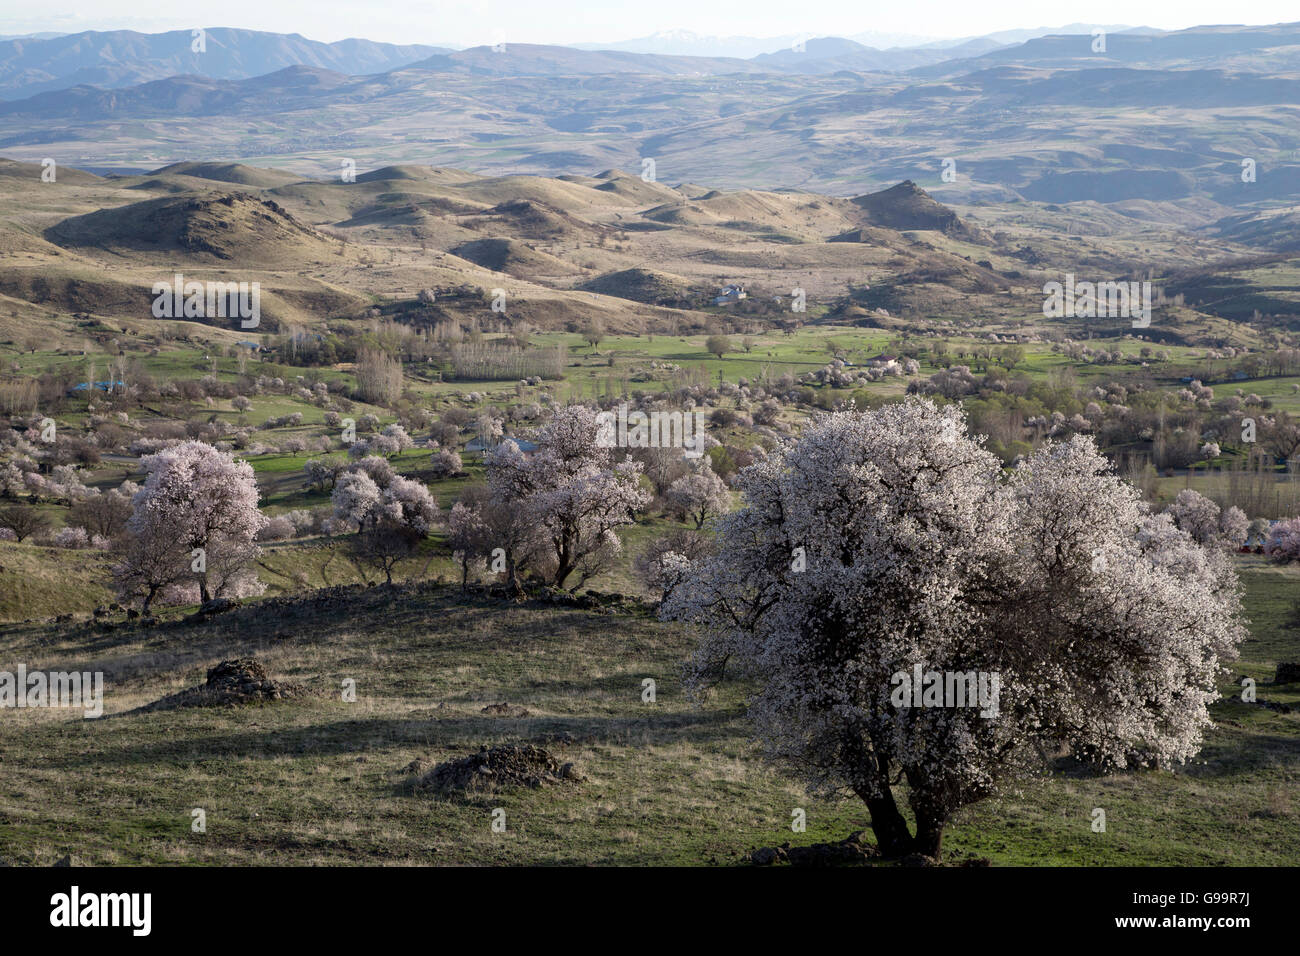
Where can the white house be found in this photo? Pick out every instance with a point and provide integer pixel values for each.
(729, 294)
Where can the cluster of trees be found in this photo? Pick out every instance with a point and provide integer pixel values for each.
(507, 362)
(1173, 429)
(550, 515)
(379, 377)
(1208, 524)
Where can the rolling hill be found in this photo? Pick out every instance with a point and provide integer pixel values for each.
(222, 227)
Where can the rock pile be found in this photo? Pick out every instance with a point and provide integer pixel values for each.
(499, 768)
(240, 681)
(853, 849)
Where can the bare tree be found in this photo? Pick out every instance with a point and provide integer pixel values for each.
(104, 514)
(23, 521)
(1282, 437)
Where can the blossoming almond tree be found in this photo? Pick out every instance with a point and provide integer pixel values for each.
(195, 498)
(883, 541)
(468, 536)
(393, 514)
(1282, 543)
(572, 489)
(700, 495)
(495, 534)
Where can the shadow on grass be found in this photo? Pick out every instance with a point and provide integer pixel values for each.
(420, 618)
(361, 735)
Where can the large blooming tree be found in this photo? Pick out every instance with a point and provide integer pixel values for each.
(884, 540)
(194, 518)
(1282, 542)
(393, 514)
(572, 490)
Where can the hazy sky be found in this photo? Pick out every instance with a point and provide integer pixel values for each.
(472, 22)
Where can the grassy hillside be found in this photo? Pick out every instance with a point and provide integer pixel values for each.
(321, 781)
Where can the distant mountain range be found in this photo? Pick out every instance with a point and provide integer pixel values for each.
(1152, 117)
(1255, 49)
(531, 59)
(44, 63)
(1012, 37)
(686, 43)
(832, 54)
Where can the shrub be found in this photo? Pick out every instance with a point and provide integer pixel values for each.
(71, 537)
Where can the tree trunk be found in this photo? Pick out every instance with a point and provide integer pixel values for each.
(931, 805)
(892, 836)
(512, 575)
(564, 563)
(929, 833)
